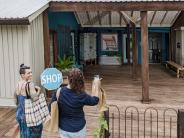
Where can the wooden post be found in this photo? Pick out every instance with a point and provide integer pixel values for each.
(180, 124)
(144, 65)
(46, 38)
(78, 47)
(172, 44)
(134, 52)
(128, 43)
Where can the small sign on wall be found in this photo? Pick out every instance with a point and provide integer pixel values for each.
(178, 45)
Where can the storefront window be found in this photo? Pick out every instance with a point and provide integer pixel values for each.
(109, 42)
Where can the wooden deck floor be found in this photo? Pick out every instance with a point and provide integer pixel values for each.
(164, 88)
(165, 91)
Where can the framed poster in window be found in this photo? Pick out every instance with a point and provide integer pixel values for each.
(109, 42)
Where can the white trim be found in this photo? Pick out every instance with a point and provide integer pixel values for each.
(103, 25)
(137, 25)
(7, 102)
(36, 13)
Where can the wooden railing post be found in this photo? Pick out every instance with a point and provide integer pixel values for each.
(180, 124)
(106, 117)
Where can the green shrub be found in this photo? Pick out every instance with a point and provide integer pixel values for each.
(99, 132)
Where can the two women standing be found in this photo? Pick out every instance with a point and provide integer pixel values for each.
(71, 100)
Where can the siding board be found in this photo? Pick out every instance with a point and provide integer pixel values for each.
(15, 55)
(11, 62)
(36, 28)
(2, 82)
(6, 61)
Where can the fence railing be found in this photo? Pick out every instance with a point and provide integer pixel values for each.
(132, 122)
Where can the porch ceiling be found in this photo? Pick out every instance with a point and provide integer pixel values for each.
(122, 18)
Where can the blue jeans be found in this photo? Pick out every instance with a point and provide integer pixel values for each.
(79, 134)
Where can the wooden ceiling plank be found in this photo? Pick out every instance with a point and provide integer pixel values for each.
(178, 13)
(129, 18)
(96, 18)
(153, 18)
(89, 20)
(163, 17)
(123, 17)
(100, 20)
(110, 20)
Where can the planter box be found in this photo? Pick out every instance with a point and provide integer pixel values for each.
(109, 60)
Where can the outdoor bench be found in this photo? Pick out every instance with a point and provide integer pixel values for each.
(176, 67)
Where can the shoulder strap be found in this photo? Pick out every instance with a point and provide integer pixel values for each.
(27, 88)
(58, 93)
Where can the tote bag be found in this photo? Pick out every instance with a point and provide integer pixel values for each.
(52, 125)
(36, 111)
(98, 90)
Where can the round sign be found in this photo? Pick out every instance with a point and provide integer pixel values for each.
(51, 78)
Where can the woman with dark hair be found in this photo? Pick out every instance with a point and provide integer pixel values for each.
(20, 93)
(71, 100)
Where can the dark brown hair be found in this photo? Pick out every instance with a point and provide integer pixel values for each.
(76, 80)
(23, 68)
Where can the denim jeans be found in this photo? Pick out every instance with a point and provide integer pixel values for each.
(79, 134)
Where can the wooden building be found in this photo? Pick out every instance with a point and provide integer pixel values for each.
(147, 32)
(21, 41)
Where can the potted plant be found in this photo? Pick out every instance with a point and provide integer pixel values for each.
(65, 64)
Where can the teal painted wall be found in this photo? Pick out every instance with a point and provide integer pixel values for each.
(62, 18)
(63, 23)
(121, 40)
(165, 41)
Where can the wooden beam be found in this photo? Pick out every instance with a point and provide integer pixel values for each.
(46, 39)
(110, 20)
(132, 13)
(117, 6)
(77, 17)
(173, 41)
(134, 53)
(120, 19)
(170, 43)
(173, 21)
(128, 17)
(123, 17)
(139, 19)
(128, 43)
(163, 17)
(144, 64)
(89, 20)
(179, 21)
(153, 18)
(96, 18)
(100, 21)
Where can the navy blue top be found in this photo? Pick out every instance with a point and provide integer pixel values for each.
(71, 114)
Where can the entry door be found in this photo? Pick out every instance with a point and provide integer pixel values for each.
(126, 49)
(155, 43)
